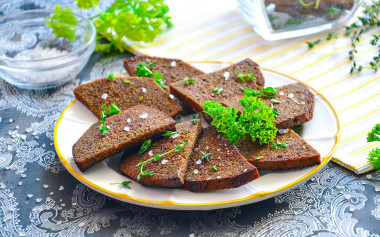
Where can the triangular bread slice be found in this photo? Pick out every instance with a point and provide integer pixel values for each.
(298, 154)
(295, 104)
(231, 169)
(171, 69)
(126, 129)
(170, 170)
(218, 85)
(125, 92)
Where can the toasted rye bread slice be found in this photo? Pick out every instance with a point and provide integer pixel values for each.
(171, 69)
(297, 155)
(296, 107)
(201, 90)
(232, 169)
(144, 123)
(170, 170)
(145, 91)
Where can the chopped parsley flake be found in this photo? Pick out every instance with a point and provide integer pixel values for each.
(213, 168)
(217, 90)
(129, 82)
(247, 75)
(206, 156)
(279, 145)
(188, 81)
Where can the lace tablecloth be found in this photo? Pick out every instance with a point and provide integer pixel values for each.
(38, 197)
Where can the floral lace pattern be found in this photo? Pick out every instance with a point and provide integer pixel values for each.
(39, 198)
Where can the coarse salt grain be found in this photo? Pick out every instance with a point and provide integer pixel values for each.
(218, 177)
(129, 120)
(245, 170)
(11, 120)
(226, 75)
(38, 200)
(45, 186)
(164, 161)
(104, 96)
(144, 115)
(198, 162)
(150, 153)
(196, 171)
(291, 96)
(143, 89)
(29, 195)
(175, 135)
(23, 137)
(283, 131)
(171, 96)
(281, 93)
(173, 64)
(19, 183)
(61, 188)
(126, 128)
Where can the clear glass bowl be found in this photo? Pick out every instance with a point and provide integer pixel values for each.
(281, 19)
(32, 57)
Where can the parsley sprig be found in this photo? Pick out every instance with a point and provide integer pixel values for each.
(267, 92)
(247, 75)
(156, 157)
(374, 155)
(113, 109)
(188, 81)
(144, 70)
(135, 20)
(125, 184)
(256, 120)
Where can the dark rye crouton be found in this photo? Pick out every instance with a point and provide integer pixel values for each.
(202, 89)
(171, 69)
(126, 129)
(232, 169)
(298, 154)
(125, 92)
(170, 170)
(296, 105)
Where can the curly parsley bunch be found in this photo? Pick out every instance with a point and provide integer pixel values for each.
(135, 20)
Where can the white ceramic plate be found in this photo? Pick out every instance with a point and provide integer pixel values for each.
(322, 132)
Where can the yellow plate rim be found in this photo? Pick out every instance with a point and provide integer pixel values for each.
(262, 194)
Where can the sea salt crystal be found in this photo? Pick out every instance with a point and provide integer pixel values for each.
(2, 185)
(37, 179)
(206, 147)
(61, 188)
(51, 193)
(21, 234)
(104, 96)
(63, 204)
(19, 183)
(171, 96)
(291, 96)
(164, 161)
(23, 136)
(45, 186)
(226, 75)
(283, 131)
(29, 195)
(81, 224)
(173, 64)
(38, 200)
(303, 147)
(126, 128)
(281, 93)
(196, 171)
(129, 120)
(198, 162)
(218, 177)
(175, 135)
(144, 115)
(1, 119)
(143, 89)
(17, 127)
(245, 170)
(150, 153)
(11, 120)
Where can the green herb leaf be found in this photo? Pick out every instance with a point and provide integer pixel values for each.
(374, 135)
(217, 90)
(87, 4)
(160, 80)
(334, 11)
(268, 92)
(103, 129)
(312, 44)
(129, 82)
(275, 112)
(143, 70)
(141, 98)
(195, 120)
(206, 156)
(188, 81)
(259, 158)
(374, 158)
(305, 4)
(63, 23)
(169, 134)
(279, 145)
(113, 109)
(247, 75)
(145, 146)
(125, 184)
(111, 77)
(213, 168)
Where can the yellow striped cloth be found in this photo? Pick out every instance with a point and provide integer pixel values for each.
(215, 30)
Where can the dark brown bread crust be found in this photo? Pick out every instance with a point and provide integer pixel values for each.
(293, 111)
(297, 155)
(201, 90)
(233, 170)
(125, 95)
(171, 74)
(93, 147)
(170, 174)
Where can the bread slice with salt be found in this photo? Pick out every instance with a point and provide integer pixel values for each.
(125, 92)
(295, 104)
(219, 85)
(126, 130)
(225, 168)
(298, 153)
(170, 170)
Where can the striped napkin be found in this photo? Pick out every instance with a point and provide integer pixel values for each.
(216, 31)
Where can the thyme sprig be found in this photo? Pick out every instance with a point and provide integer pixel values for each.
(156, 157)
(125, 184)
